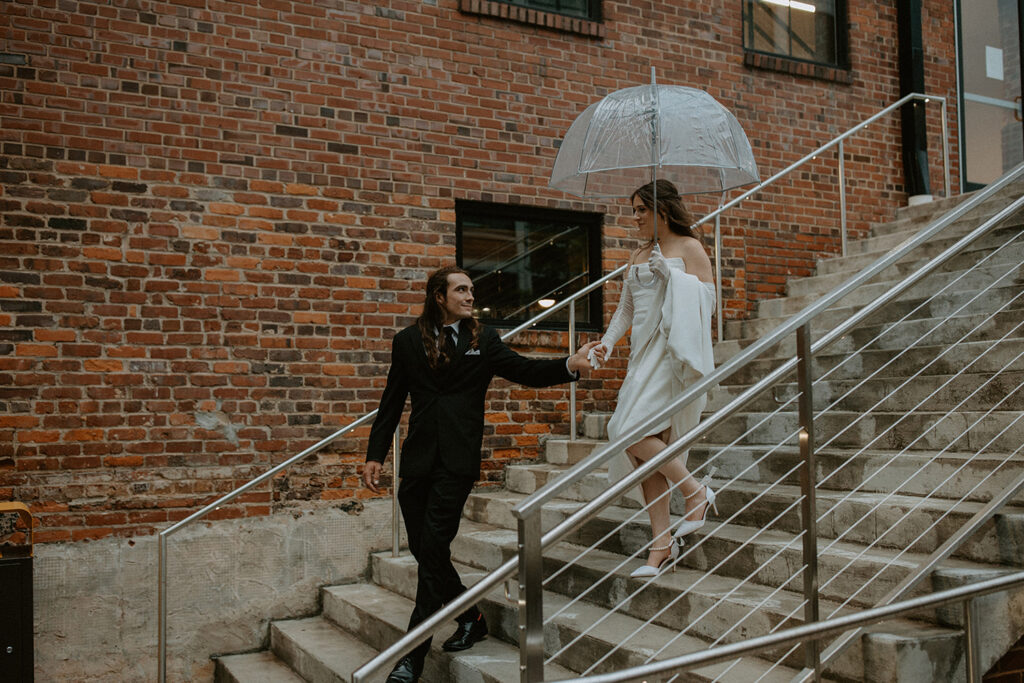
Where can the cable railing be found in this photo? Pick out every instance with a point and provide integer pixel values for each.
(573, 475)
(964, 595)
(528, 510)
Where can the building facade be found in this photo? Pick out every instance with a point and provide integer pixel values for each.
(214, 215)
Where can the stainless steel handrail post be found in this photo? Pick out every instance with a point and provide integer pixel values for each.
(161, 606)
(531, 605)
(945, 144)
(842, 196)
(808, 507)
(719, 306)
(395, 512)
(971, 673)
(226, 498)
(572, 386)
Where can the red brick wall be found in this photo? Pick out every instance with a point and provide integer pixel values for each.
(216, 214)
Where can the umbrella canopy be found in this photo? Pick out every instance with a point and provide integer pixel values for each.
(677, 133)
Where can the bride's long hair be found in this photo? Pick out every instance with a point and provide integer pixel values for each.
(670, 208)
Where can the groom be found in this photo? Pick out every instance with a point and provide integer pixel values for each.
(445, 362)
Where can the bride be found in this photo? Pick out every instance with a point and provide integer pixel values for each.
(667, 298)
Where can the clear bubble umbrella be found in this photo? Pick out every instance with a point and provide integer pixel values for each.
(639, 134)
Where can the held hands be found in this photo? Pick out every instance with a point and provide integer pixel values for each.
(581, 360)
(598, 355)
(657, 263)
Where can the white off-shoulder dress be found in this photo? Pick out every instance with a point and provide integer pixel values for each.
(670, 348)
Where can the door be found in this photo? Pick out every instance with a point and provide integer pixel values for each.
(990, 95)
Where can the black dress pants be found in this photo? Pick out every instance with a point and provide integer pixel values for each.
(432, 509)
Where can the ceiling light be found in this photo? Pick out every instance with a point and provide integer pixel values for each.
(793, 4)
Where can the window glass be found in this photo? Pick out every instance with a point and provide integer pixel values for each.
(523, 260)
(585, 9)
(807, 30)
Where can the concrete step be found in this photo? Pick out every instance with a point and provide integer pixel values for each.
(621, 638)
(999, 431)
(947, 475)
(998, 241)
(595, 425)
(968, 326)
(972, 294)
(951, 474)
(381, 616)
(527, 478)
(888, 520)
(893, 520)
(319, 651)
(971, 325)
(933, 393)
(908, 217)
(769, 555)
(253, 667)
(886, 236)
(1004, 268)
(856, 261)
(568, 452)
(983, 357)
(705, 605)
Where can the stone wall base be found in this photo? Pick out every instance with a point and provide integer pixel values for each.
(96, 603)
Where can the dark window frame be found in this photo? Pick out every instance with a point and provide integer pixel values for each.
(592, 222)
(593, 12)
(524, 12)
(780, 61)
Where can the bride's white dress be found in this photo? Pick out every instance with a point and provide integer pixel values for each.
(670, 348)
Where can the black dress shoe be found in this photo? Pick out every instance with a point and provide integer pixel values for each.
(407, 670)
(466, 634)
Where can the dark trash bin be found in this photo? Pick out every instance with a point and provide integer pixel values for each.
(16, 623)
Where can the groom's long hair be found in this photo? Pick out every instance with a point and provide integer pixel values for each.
(432, 317)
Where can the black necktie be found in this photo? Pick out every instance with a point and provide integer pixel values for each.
(449, 342)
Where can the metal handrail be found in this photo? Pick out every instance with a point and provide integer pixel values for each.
(842, 138)
(837, 141)
(548, 293)
(819, 630)
(516, 243)
(520, 256)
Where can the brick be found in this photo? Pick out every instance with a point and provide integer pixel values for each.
(219, 231)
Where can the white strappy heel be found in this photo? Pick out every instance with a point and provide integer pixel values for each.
(688, 526)
(649, 572)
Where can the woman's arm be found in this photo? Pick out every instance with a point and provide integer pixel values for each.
(620, 323)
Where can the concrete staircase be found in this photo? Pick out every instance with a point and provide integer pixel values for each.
(918, 475)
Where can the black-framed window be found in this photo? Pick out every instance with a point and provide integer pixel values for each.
(525, 259)
(583, 9)
(804, 30)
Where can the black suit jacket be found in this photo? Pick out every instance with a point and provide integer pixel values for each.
(447, 421)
